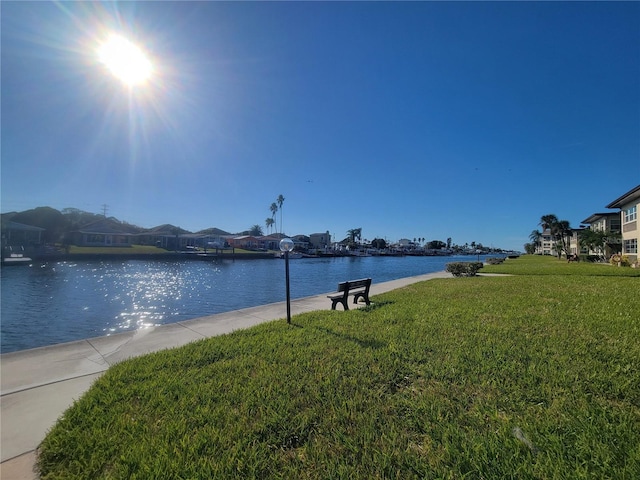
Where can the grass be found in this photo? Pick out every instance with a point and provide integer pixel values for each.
(546, 265)
(484, 377)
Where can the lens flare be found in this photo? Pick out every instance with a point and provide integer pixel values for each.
(126, 61)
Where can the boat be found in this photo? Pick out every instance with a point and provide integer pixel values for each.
(15, 258)
(359, 253)
(291, 255)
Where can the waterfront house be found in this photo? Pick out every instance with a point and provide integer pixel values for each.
(628, 205)
(163, 236)
(103, 233)
(300, 242)
(404, 244)
(320, 240)
(16, 234)
(248, 242)
(171, 237)
(269, 242)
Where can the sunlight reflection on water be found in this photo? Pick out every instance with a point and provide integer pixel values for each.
(65, 301)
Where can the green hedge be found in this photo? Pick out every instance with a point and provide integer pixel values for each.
(495, 260)
(464, 269)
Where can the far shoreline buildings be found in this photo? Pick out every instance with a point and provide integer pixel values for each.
(106, 232)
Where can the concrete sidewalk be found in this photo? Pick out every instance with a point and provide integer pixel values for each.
(38, 385)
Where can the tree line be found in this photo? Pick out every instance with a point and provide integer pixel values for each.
(57, 223)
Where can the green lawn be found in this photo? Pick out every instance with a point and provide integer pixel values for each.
(523, 377)
(546, 265)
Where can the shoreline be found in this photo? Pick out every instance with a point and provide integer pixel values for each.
(39, 384)
(213, 286)
(223, 254)
(65, 257)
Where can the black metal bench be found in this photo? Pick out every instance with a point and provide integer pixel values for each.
(357, 288)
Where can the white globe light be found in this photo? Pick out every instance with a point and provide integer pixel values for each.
(286, 245)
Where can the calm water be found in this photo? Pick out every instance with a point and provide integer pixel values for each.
(64, 301)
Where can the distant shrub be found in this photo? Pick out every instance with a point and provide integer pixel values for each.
(495, 260)
(464, 269)
(620, 260)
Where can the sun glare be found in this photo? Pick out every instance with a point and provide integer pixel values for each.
(125, 60)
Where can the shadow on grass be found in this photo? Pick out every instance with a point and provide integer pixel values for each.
(373, 344)
(375, 306)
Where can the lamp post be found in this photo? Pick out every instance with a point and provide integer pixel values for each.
(286, 245)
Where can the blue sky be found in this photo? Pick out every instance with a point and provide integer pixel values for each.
(417, 119)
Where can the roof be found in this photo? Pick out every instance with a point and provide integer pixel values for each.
(214, 231)
(630, 196)
(593, 218)
(105, 226)
(165, 229)
(21, 226)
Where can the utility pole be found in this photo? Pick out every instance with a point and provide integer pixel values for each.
(104, 209)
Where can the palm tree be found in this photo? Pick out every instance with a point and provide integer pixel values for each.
(280, 201)
(255, 230)
(594, 240)
(564, 232)
(548, 221)
(560, 230)
(269, 223)
(535, 237)
(354, 234)
(274, 210)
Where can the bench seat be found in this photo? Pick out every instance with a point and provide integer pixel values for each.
(357, 288)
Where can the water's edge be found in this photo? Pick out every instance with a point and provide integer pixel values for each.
(65, 301)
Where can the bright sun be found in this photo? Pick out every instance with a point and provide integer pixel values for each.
(125, 60)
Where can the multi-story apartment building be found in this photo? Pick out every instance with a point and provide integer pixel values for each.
(575, 248)
(628, 205)
(546, 244)
(605, 222)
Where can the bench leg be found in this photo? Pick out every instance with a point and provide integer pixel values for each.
(334, 303)
(357, 296)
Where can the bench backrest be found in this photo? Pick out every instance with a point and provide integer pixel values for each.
(350, 285)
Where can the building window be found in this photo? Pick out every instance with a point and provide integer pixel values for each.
(631, 246)
(630, 214)
(615, 225)
(95, 238)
